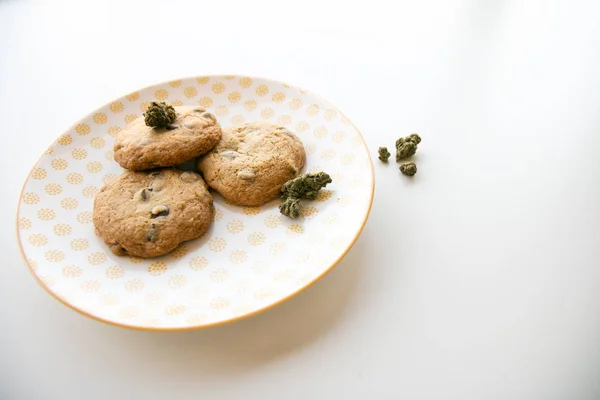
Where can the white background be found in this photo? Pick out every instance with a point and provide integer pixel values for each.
(478, 279)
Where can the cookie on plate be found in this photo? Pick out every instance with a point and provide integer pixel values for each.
(252, 161)
(140, 147)
(147, 214)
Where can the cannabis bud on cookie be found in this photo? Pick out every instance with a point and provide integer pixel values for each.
(160, 115)
(290, 207)
(192, 133)
(148, 211)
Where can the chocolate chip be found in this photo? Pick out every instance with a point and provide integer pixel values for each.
(170, 127)
(160, 211)
(145, 194)
(152, 235)
(199, 110)
(117, 248)
(292, 168)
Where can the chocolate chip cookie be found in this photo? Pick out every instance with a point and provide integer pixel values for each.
(147, 214)
(252, 161)
(140, 147)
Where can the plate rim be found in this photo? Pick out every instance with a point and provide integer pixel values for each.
(237, 317)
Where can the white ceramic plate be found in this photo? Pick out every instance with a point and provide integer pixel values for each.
(250, 259)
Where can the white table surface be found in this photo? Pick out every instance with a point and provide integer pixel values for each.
(479, 279)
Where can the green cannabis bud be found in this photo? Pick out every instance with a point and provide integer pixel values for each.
(406, 147)
(305, 186)
(290, 207)
(384, 154)
(409, 168)
(160, 115)
(413, 137)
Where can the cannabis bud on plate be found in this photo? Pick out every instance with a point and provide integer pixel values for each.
(303, 187)
(159, 115)
(290, 207)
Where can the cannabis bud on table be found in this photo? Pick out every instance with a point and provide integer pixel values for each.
(303, 187)
(159, 115)
(406, 147)
(384, 154)
(409, 168)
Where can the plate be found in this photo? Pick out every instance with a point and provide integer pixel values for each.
(248, 261)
